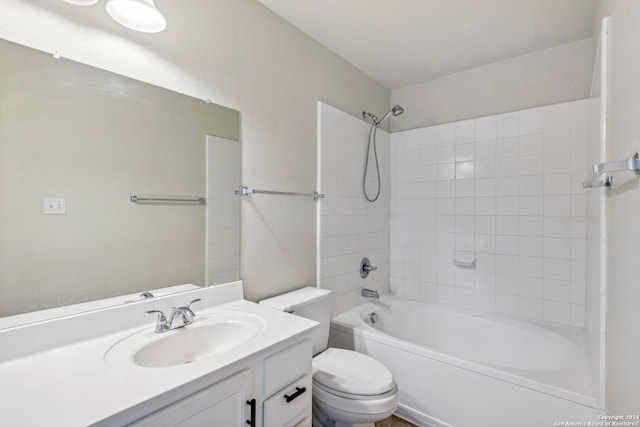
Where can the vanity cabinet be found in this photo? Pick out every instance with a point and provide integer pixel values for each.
(272, 389)
(222, 404)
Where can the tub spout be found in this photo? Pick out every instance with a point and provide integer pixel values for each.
(369, 293)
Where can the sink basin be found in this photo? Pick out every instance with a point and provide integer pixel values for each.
(206, 337)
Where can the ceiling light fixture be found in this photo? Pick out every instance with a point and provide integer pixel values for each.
(81, 2)
(139, 15)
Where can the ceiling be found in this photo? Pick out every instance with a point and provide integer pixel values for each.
(403, 42)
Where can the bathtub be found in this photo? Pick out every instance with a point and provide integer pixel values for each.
(458, 368)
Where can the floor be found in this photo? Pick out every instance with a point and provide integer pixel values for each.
(394, 421)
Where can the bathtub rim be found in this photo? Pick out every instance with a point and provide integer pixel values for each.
(351, 322)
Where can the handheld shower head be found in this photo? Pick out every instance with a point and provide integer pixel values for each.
(396, 111)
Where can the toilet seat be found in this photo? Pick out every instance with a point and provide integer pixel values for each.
(352, 375)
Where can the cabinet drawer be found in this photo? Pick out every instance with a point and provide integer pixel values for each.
(290, 406)
(284, 367)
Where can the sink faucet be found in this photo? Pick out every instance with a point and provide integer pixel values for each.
(368, 293)
(187, 315)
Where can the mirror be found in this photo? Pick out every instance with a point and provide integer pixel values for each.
(76, 142)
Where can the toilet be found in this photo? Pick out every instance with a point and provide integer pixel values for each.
(350, 389)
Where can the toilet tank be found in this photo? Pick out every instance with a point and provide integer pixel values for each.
(311, 303)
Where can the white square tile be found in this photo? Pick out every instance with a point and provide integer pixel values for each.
(465, 224)
(557, 117)
(465, 131)
(507, 265)
(555, 247)
(507, 186)
(506, 245)
(507, 225)
(485, 224)
(465, 242)
(507, 167)
(485, 205)
(506, 303)
(508, 125)
(531, 266)
(446, 154)
(530, 205)
(531, 185)
(507, 284)
(507, 205)
(557, 184)
(580, 114)
(465, 188)
(557, 290)
(557, 312)
(465, 205)
(485, 300)
(531, 246)
(485, 168)
(486, 150)
(557, 162)
(485, 187)
(446, 134)
(557, 269)
(465, 170)
(531, 165)
(486, 243)
(446, 171)
(531, 308)
(446, 189)
(507, 147)
(486, 263)
(557, 226)
(465, 152)
(531, 144)
(446, 294)
(531, 226)
(557, 206)
(557, 142)
(465, 297)
(486, 128)
(531, 287)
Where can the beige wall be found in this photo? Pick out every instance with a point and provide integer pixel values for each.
(241, 55)
(623, 301)
(558, 74)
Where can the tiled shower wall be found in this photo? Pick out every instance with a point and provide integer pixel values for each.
(349, 227)
(507, 187)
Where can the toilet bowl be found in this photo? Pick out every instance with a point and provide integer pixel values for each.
(350, 389)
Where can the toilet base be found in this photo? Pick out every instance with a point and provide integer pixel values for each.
(319, 419)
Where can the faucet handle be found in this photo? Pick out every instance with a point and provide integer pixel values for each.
(195, 300)
(161, 322)
(160, 313)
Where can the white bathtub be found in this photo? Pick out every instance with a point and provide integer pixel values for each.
(467, 369)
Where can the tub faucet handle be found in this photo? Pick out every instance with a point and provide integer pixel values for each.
(366, 267)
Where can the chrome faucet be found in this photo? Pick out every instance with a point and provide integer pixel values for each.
(369, 293)
(187, 315)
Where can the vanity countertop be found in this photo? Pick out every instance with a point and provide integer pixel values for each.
(73, 385)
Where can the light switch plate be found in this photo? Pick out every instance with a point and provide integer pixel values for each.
(55, 206)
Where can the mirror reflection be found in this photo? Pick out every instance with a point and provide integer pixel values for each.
(75, 143)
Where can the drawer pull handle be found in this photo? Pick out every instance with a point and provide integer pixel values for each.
(299, 391)
(252, 404)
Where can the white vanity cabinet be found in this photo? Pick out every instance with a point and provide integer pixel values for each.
(222, 404)
(272, 389)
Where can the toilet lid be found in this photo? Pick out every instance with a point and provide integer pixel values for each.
(350, 372)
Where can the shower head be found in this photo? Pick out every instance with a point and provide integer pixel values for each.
(396, 111)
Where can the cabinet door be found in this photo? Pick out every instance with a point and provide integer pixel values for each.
(222, 404)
